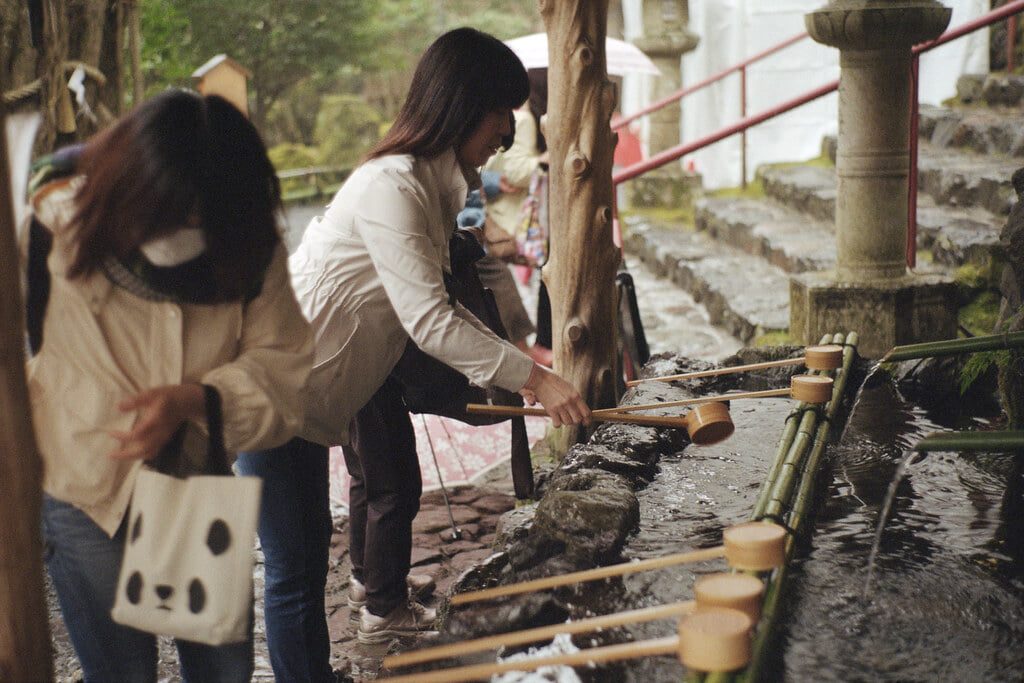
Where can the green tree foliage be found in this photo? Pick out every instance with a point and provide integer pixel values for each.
(346, 129)
(280, 41)
(295, 47)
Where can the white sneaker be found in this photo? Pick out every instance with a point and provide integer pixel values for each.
(420, 586)
(407, 619)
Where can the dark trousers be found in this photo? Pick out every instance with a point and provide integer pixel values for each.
(384, 497)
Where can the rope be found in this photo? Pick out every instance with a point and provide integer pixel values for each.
(24, 92)
(35, 87)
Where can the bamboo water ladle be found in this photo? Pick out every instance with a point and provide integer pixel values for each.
(710, 640)
(807, 388)
(824, 357)
(751, 546)
(707, 424)
(737, 591)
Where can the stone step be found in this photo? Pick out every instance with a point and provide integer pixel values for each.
(788, 239)
(744, 294)
(963, 201)
(959, 177)
(986, 130)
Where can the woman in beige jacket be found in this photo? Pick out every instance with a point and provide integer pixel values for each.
(169, 286)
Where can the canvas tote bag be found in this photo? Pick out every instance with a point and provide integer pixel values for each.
(188, 559)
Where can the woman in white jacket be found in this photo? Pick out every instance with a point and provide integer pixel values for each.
(369, 276)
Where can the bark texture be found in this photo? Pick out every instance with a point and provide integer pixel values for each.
(24, 629)
(580, 275)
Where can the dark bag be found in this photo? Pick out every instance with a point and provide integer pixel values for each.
(430, 386)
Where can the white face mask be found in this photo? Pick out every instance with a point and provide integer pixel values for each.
(176, 248)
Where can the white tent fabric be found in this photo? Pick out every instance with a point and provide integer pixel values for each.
(732, 30)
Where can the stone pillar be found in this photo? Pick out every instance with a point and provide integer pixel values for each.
(871, 291)
(872, 162)
(666, 38)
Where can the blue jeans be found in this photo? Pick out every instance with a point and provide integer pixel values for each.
(295, 533)
(83, 563)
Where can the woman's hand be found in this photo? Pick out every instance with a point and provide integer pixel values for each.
(560, 399)
(161, 411)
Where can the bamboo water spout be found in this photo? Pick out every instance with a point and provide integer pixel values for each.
(993, 342)
(751, 546)
(737, 591)
(715, 639)
(706, 424)
(1009, 440)
(822, 357)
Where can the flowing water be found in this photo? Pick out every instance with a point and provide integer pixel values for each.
(942, 542)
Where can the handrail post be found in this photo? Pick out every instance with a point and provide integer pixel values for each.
(743, 133)
(1011, 43)
(912, 174)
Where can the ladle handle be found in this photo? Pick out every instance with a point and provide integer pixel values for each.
(609, 415)
(720, 371)
(589, 575)
(693, 401)
(609, 653)
(533, 635)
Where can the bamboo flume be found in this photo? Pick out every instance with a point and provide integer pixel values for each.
(714, 639)
(788, 493)
(823, 357)
(751, 546)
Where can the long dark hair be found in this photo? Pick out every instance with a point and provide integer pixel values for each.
(463, 76)
(176, 158)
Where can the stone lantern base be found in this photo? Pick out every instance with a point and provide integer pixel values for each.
(666, 187)
(911, 309)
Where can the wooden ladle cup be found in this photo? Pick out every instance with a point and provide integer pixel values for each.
(716, 639)
(751, 546)
(807, 388)
(706, 424)
(823, 357)
(742, 592)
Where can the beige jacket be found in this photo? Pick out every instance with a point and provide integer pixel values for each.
(368, 275)
(517, 165)
(103, 344)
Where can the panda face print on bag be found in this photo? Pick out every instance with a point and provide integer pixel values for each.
(154, 592)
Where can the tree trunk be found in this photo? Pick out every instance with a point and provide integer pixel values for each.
(580, 275)
(135, 50)
(24, 626)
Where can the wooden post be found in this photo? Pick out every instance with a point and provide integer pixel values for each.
(24, 625)
(580, 275)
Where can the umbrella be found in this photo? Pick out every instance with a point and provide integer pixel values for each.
(622, 57)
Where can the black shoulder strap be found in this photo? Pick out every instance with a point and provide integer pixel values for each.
(40, 241)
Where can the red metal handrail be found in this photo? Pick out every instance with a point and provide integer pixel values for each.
(678, 151)
(1006, 11)
(680, 94)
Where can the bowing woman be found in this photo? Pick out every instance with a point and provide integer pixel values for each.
(369, 275)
